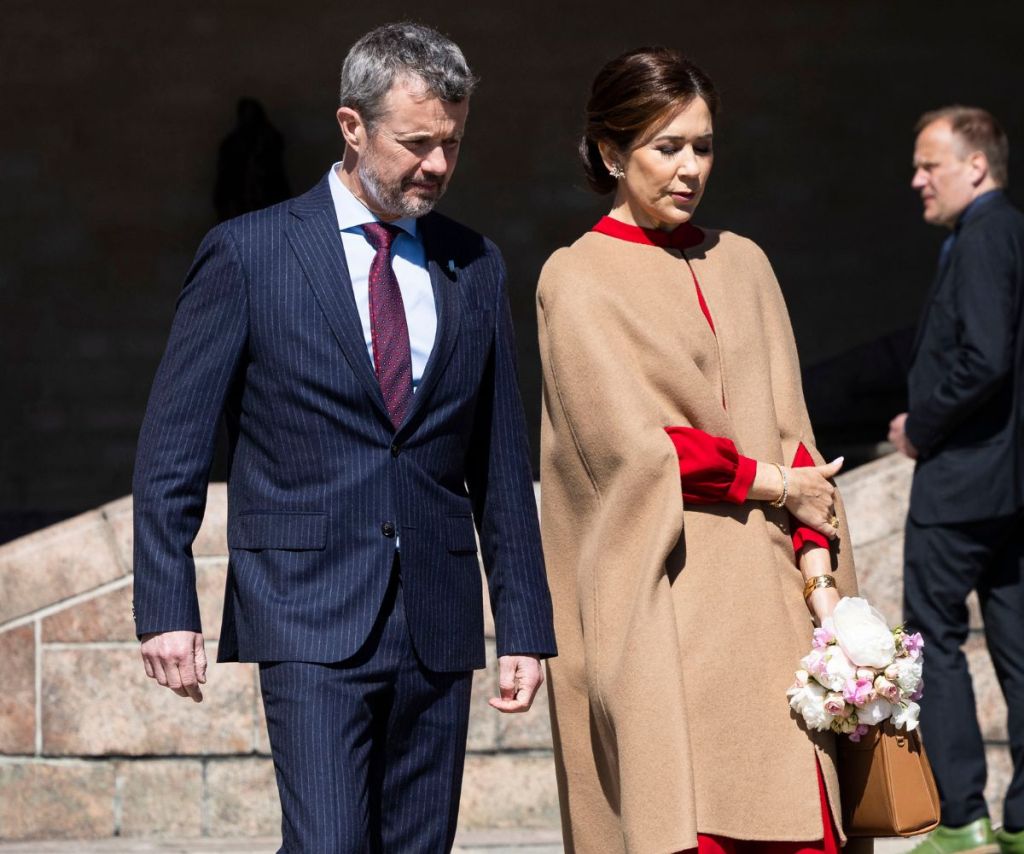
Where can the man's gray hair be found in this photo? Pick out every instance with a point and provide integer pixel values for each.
(392, 51)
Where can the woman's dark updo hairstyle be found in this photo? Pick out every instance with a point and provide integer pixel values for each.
(631, 93)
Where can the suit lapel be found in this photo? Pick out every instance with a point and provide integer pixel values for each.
(444, 282)
(940, 275)
(919, 334)
(312, 231)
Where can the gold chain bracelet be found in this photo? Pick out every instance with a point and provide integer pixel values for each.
(781, 500)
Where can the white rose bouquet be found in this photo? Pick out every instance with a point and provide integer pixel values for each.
(859, 673)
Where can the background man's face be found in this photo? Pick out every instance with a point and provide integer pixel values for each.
(411, 151)
(943, 174)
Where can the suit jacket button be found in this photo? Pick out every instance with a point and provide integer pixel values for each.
(388, 529)
(395, 450)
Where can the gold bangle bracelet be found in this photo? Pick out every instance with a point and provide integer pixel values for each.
(817, 583)
(781, 500)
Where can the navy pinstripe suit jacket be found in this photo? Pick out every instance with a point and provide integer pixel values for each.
(266, 333)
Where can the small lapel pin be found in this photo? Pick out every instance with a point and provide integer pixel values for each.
(451, 265)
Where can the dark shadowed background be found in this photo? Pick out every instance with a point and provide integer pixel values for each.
(113, 114)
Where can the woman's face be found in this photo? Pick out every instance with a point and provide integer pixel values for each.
(666, 174)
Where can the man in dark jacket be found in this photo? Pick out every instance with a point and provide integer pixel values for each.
(964, 427)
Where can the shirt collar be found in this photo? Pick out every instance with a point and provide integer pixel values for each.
(352, 213)
(976, 206)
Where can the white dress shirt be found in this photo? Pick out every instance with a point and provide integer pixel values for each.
(408, 260)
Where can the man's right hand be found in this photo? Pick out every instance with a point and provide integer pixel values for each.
(177, 660)
(898, 436)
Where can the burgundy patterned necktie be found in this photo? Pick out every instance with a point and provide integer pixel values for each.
(392, 357)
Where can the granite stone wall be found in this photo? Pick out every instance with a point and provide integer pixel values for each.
(89, 747)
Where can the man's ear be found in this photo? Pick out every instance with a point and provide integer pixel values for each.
(353, 131)
(977, 163)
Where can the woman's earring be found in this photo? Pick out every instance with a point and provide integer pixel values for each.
(616, 172)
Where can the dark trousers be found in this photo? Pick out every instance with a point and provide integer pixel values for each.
(943, 563)
(368, 752)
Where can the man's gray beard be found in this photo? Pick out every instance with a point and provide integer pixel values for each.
(389, 198)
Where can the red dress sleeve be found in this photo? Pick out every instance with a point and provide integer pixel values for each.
(710, 468)
(801, 533)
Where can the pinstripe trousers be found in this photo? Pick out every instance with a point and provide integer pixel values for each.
(368, 752)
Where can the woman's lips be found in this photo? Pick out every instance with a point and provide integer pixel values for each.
(682, 196)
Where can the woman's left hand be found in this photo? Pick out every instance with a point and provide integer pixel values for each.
(822, 603)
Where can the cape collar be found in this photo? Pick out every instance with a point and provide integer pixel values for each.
(681, 237)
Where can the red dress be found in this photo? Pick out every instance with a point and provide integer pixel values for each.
(712, 470)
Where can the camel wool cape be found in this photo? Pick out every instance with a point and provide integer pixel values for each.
(678, 628)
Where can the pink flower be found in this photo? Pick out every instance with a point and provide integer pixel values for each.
(887, 689)
(814, 662)
(858, 691)
(913, 644)
(835, 704)
(859, 733)
(822, 638)
(919, 692)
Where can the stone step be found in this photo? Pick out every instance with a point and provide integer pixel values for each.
(475, 842)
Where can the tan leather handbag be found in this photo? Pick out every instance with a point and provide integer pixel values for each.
(886, 784)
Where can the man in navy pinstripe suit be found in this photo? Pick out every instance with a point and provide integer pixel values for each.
(361, 351)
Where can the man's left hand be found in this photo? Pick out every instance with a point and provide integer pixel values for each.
(519, 677)
(898, 436)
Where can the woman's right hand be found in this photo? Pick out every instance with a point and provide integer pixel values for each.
(812, 498)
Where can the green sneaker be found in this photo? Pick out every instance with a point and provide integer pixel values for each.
(974, 838)
(1010, 843)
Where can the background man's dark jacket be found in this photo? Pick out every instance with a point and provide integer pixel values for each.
(966, 382)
